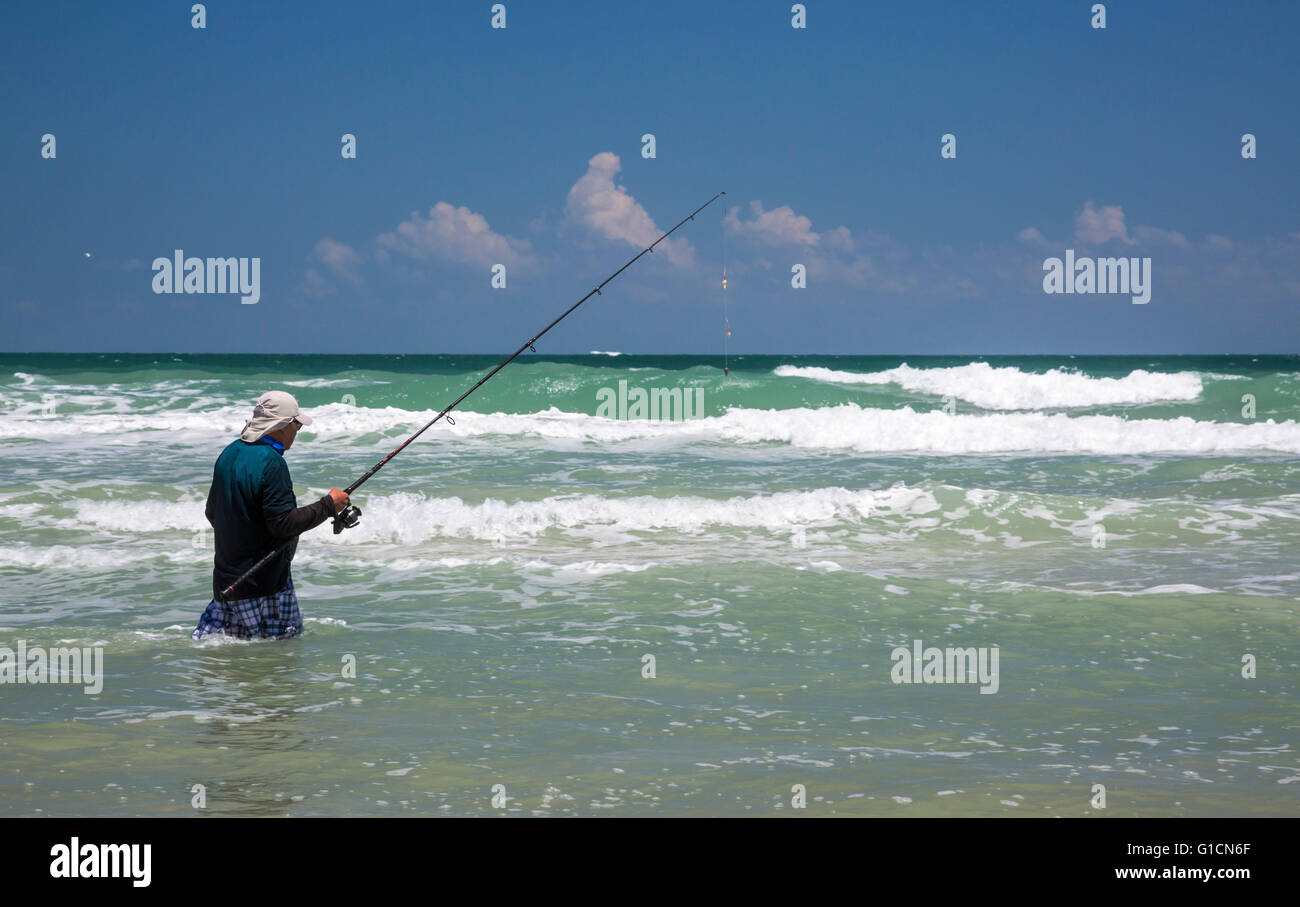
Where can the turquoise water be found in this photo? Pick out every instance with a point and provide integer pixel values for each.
(512, 571)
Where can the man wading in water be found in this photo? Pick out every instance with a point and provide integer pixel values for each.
(252, 509)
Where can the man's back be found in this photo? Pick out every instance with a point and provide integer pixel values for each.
(250, 482)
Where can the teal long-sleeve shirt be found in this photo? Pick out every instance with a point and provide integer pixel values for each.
(252, 508)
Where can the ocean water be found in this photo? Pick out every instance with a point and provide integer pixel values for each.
(1123, 530)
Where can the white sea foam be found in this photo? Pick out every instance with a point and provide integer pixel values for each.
(83, 557)
(126, 427)
(187, 515)
(850, 427)
(413, 533)
(334, 382)
(589, 568)
(1011, 388)
(405, 518)
(844, 427)
(408, 518)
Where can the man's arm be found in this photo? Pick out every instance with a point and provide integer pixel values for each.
(290, 523)
(283, 520)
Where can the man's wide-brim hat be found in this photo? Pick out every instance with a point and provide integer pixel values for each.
(273, 411)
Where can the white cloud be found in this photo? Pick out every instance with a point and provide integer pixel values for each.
(1099, 225)
(834, 255)
(454, 234)
(598, 203)
(778, 227)
(840, 238)
(339, 257)
(1095, 226)
(1221, 243)
(1160, 237)
(315, 285)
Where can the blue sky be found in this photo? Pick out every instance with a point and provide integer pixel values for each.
(523, 146)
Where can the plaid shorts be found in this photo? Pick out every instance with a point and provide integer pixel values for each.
(275, 616)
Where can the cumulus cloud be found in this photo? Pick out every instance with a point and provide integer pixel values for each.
(1095, 226)
(778, 227)
(1157, 236)
(782, 227)
(454, 234)
(607, 209)
(1099, 225)
(834, 255)
(340, 258)
(1033, 235)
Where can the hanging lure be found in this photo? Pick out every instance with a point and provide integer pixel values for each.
(726, 321)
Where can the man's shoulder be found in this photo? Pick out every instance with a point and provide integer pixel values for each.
(256, 456)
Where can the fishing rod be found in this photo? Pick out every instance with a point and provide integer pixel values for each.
(349, 516)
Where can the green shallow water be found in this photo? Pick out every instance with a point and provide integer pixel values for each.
(512, 572)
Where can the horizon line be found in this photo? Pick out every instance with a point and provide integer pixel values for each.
(603, 353)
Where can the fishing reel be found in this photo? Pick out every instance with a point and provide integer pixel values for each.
(346, 518)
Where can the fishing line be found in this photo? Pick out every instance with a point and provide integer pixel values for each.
(726, 321)
(350, 515)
